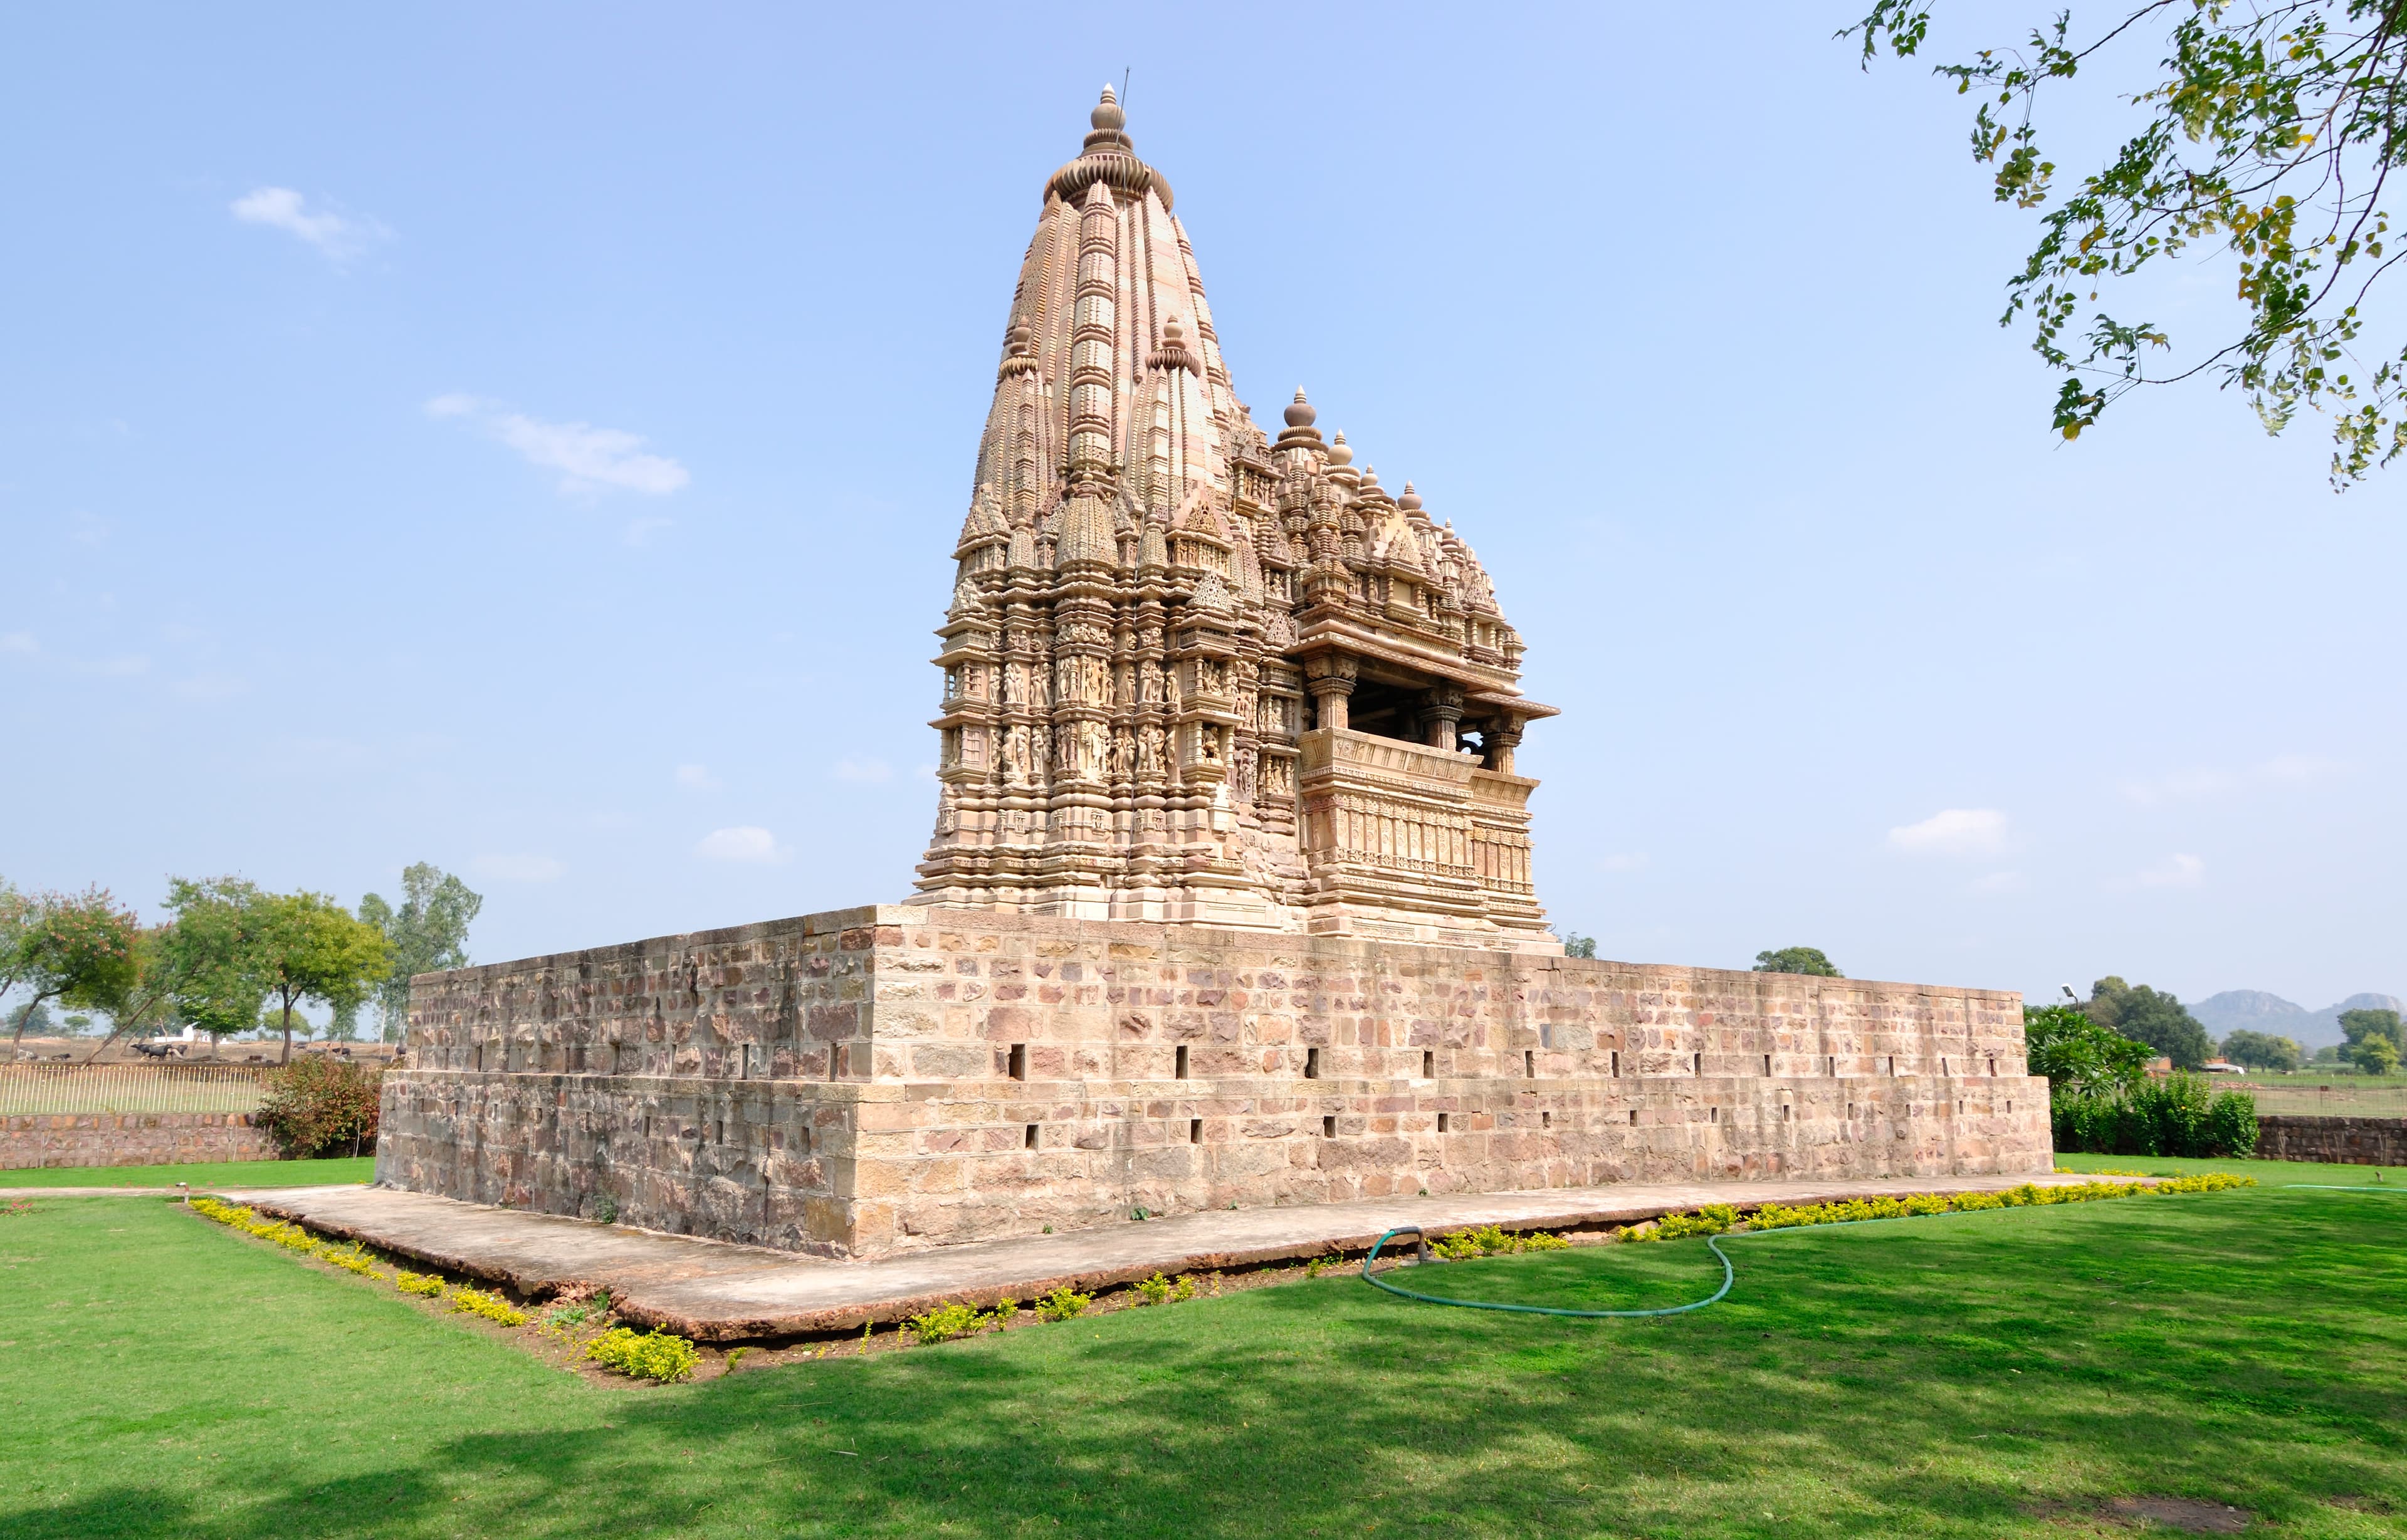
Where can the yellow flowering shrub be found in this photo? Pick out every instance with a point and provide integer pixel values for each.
(475, 1301)
(418, 1283)
(654, 1355)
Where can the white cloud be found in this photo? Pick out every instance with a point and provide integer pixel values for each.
(518, 868)
(1635, 861)
(2177, 872)
(18, 642)
(2202, 785)
(1954, 832)
(697, 777)
(588, 458)
(339, 236)
(862, 772)
(746, 843)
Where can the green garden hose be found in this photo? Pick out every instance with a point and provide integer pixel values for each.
(1729, 1276)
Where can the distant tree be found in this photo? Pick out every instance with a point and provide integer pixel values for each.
(2159, 1020)
(34, 1016)
(2080, 1057)
(211, 962)
(1577, 945)
(2263, 1050)
(2377, 1041)
(429, 933)
(1804, 960)
(2327, 1054)
(76, 949)
(306, 947)
(16, 912)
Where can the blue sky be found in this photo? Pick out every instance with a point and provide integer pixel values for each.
(530, 439)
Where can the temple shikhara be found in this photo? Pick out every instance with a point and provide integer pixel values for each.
(1230, 898)
(1194, 673)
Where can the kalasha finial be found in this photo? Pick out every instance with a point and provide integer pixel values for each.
(1410, 501)
(1301, 415)
(1340, 452)
(1108, 116)
(1370, 477)
(1172, 353)
(1018, 350)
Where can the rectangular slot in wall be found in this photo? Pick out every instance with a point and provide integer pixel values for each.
(1831, 1062)
(1329, 1126)
(1441, 1123)
(1180, 1071)
(1428, 1064)
(1714, 1114)
(1634, 1117)
(1784, 1112)
(803, 1139)
(1194, 1131)
(1545, 1119)
(1019, 1061)
(1530, 1064)
(1617, 1064)
(1696, 1064)
(1312, 1063)
(1993, 1064)
(1030, 1141)
(1767, 1063)
(1893, 1064)
(835, 1060)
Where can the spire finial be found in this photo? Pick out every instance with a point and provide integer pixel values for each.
(1108, 116)
(1340, 452)
(1301, 415)
(1410, 501)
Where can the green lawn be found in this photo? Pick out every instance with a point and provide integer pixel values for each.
(1980, 1375)
(215, 1174)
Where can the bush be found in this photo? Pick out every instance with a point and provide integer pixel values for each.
(1063, 1304)
(320, 1106)
(1489, 1240)
(475, 1301)
(655, 1355)
(944, 1323)
(418, 1283)
(2179, 1115)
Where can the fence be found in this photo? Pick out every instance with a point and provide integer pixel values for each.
(2333, 1098)
(49, 1090)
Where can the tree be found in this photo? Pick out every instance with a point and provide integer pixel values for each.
(2267, 139)
(1804, 960)
(2079, 1056)
(306, 947)
(2263, 1050)
(429, 933)
(2159, 1020)
(211, 954)
(1577, 945)
(76, 949)
(2377, 1041)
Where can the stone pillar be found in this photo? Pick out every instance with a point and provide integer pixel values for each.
(1331, 678)
(1441, 710)
(1502, 739)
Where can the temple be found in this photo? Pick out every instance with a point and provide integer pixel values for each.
(1229, 901)
(1194, 674)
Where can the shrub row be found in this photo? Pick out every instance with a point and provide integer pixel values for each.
(1487, 1240)
(2179, 1115)
(1717, 1218)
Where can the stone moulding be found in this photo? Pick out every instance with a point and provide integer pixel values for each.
(874, 1080)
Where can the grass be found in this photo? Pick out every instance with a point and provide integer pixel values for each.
(1982, 1375)
(208, 1174)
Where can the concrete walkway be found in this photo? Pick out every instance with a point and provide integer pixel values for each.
(715, 1291)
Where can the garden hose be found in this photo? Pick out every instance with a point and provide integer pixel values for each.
(1729, 1276)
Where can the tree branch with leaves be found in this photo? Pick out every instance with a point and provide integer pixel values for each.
(2270, 134)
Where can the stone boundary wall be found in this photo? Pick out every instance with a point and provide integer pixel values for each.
(877, 1079)
(2340, 1141)
(130, 1139)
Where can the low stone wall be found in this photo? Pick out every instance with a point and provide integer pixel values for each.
(2337, 1141)
(881, 1080)
(131, 1138)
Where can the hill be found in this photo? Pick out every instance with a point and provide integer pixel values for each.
(2259, 1011)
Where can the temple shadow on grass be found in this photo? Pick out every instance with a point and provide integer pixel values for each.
(1947, 1376)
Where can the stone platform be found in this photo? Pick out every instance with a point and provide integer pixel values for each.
(718, 1292)
(880, 1080)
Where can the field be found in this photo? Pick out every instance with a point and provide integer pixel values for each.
(2008, 1373)
(202, 1177)
(2321, 1093)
